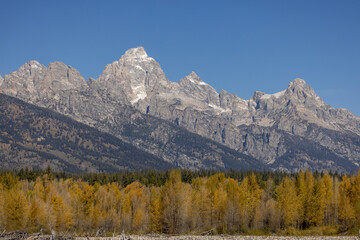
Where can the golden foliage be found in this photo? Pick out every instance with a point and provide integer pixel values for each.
(216, 203)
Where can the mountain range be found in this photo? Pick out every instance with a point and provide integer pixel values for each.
(188, 124)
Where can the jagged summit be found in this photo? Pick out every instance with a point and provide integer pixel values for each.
(300, 84)
(34, 63)
(299, 81)
(193, 75)
(297, 89)
(30, 67)
(301, 92)
(261, 126)
(138, 52)
(194, 78)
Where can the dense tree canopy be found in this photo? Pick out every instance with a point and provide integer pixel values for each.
(178, 201)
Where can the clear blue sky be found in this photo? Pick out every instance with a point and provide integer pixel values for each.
(239, 46)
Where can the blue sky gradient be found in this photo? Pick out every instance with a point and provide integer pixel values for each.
(239, 46)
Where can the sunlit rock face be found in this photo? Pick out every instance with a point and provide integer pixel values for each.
(289, 130)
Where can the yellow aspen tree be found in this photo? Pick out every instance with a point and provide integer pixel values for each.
(176, 198)
(107, 207)
(356, 187)
(270, 215)
(2, 193)
(58, 211)
(39, 190)
(232, 209)
(155, 210)
(346, 211)
(140, 202)
(305, 185)
(302, 195)
(115, 195)
(355, 198)
(75, 204)
(102, 208)
(255, 192)
(288, 202)
(200, 205)
(126, 210)
(334, 203)
(217, 196)
(316, 205)
(245, 204)
(68, 219)
(134, 205)
(15, 208)
(87, 199)
(82, 197)
(326, 195)
(36, 217)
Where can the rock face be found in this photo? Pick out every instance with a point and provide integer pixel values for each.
(289, 130)
(1, 79)
(102, 108)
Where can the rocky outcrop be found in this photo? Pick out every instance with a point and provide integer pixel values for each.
(268, 127)
(33, 82)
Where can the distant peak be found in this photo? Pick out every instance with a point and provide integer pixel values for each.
(299, 81)
(193, 77)
(32, 66)
(34, 62)
(138, 52)
(302, 91)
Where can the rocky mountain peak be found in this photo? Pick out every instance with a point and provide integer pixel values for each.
(30, 68)
(133, 77)
(138, 52)
(300, 85)
(299, 81)
(299, 91)
(57, 65)
(23, 82)
(193, 78)
(194, 87)
(269, 127)
(63, 77)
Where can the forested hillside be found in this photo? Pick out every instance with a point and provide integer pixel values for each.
(180, 202)
(35, 137)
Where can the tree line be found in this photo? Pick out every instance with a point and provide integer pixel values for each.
(179, 201)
